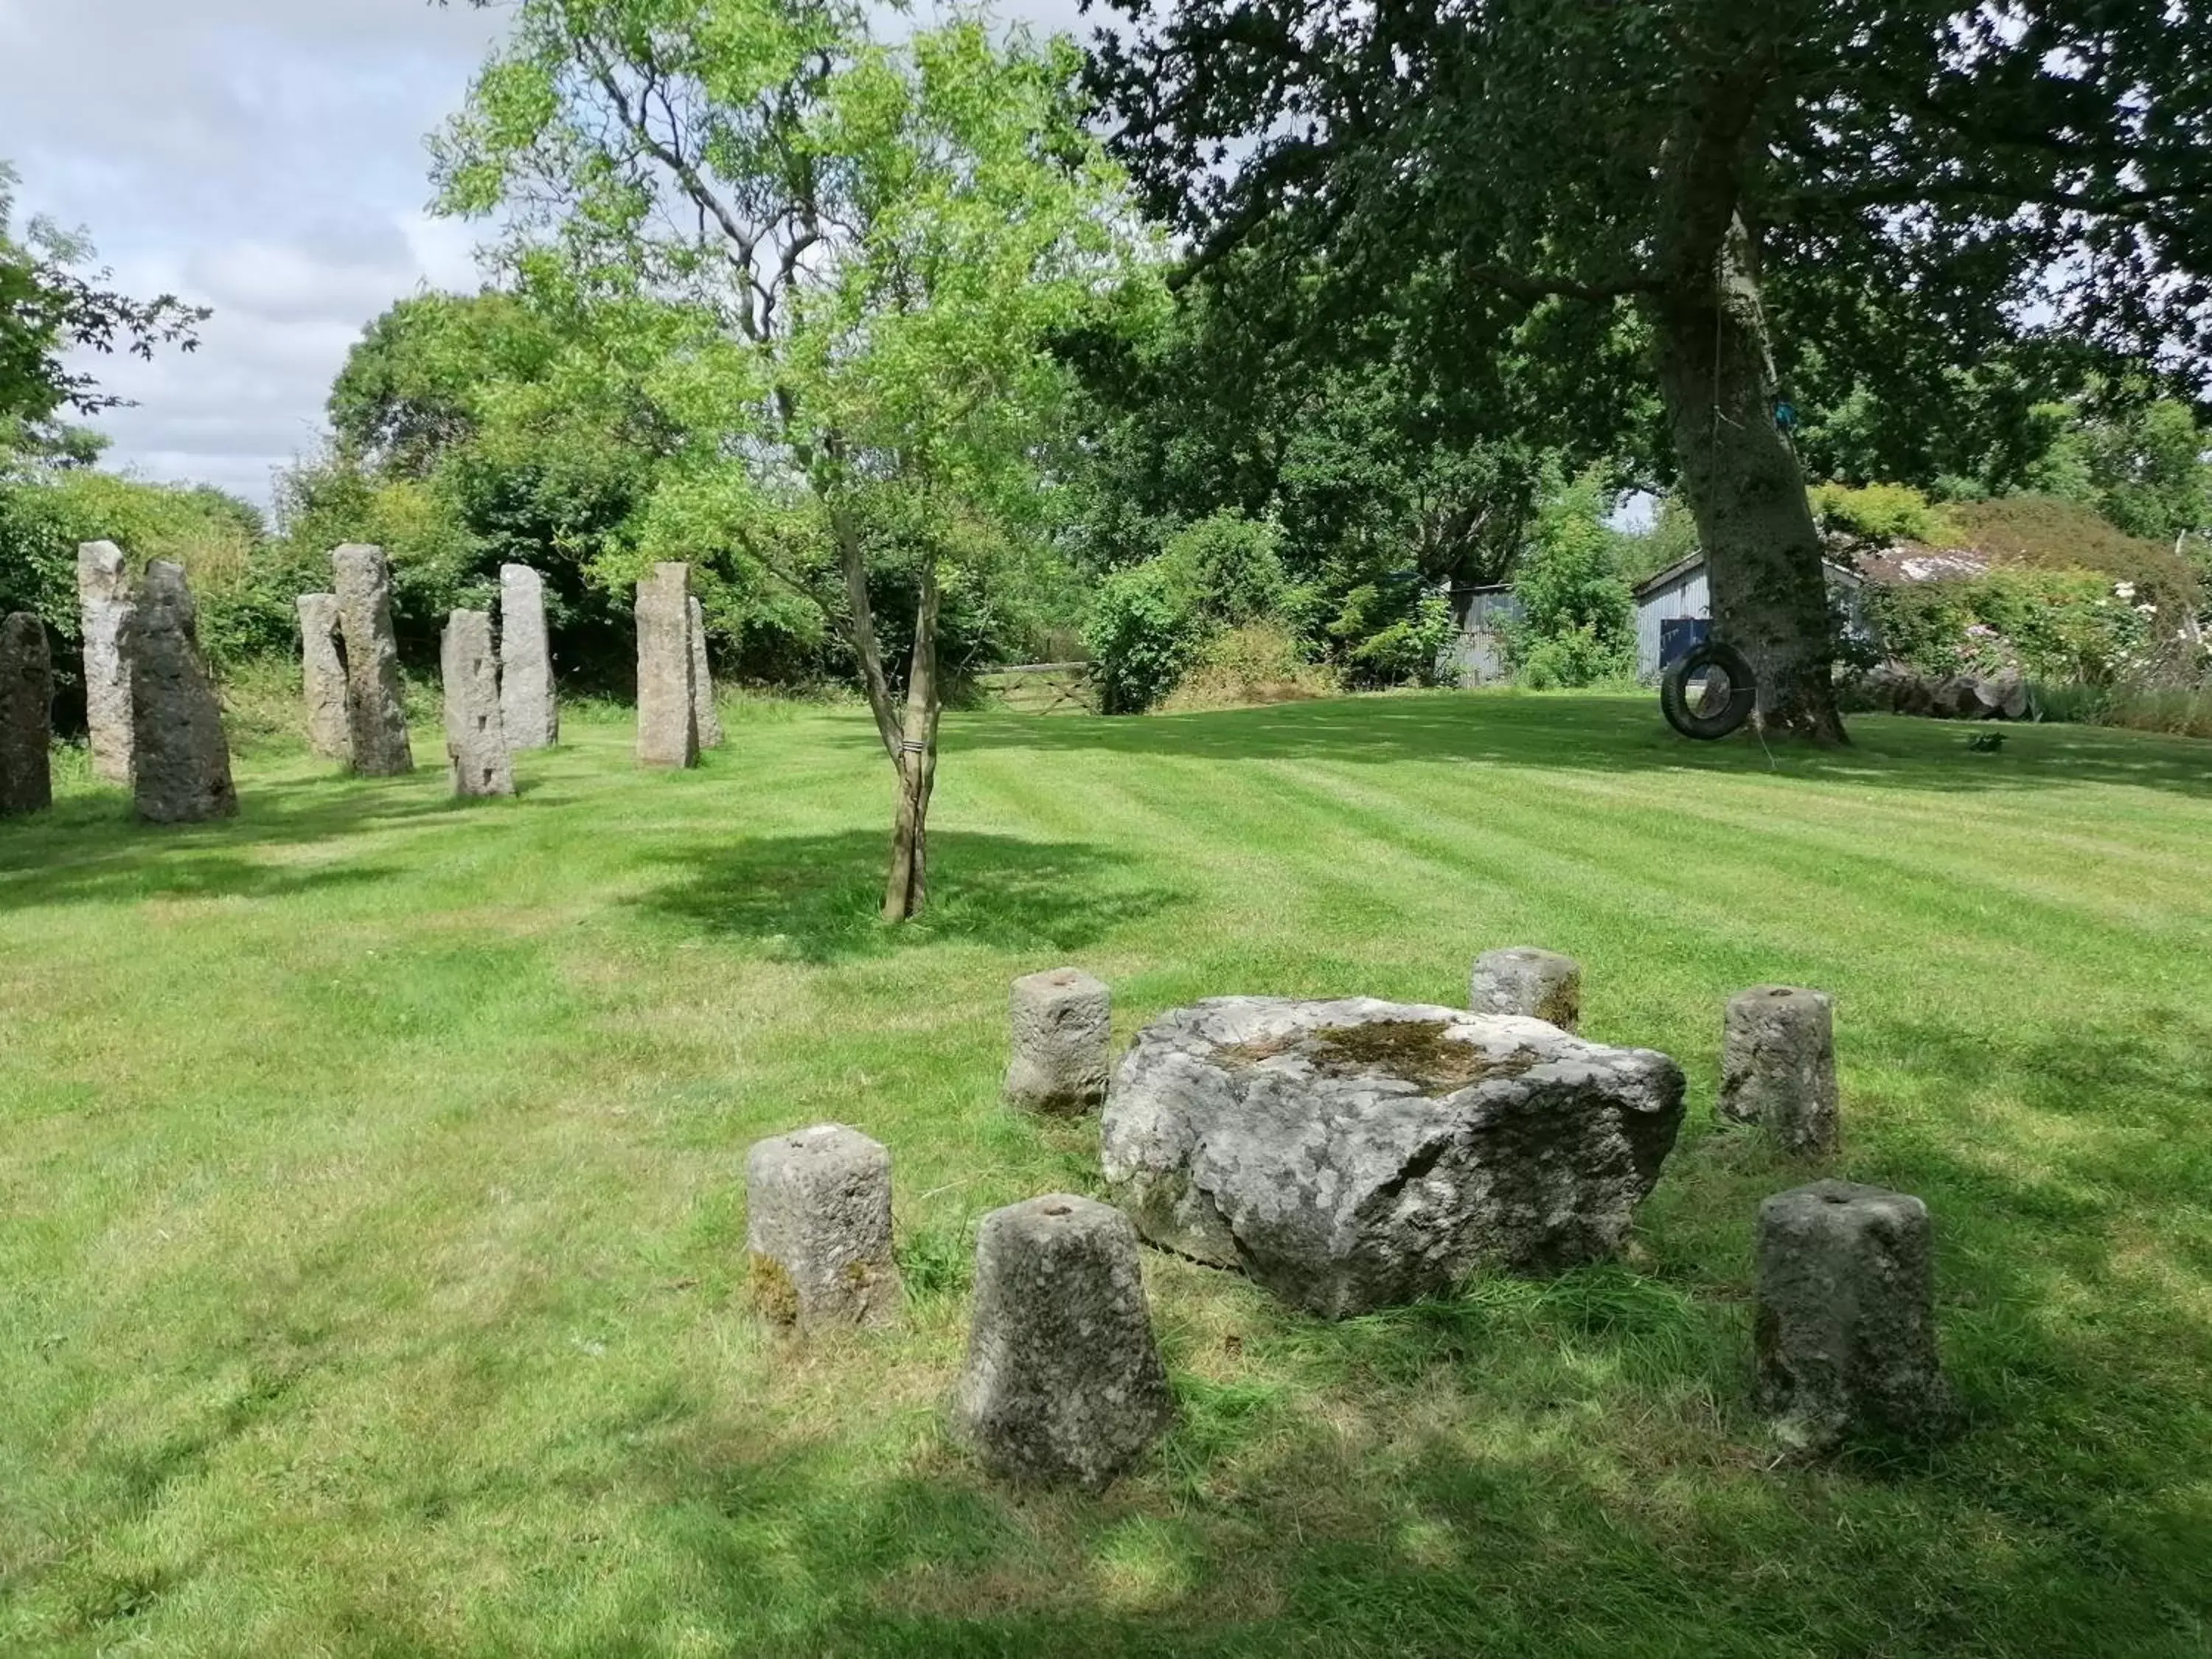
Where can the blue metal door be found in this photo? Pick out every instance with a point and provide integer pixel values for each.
(1678, 634)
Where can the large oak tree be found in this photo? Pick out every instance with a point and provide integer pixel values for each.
(1976, 171)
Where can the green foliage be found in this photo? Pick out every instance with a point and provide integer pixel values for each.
(1882, 513)
(1151, 621)
(52, 303)
(2046, 532)
(1577, 622)
(244, 594)
(2047, 624)
(2145, 469)
(1671, 538)
(1144, 632)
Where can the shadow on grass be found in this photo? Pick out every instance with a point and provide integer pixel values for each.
(817, 898)
(1605, 732)
(90, 849)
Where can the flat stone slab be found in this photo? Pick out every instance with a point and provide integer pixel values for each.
(323, 676)
(374, 712)
(476, 761)
(528, 707)
(1356, 1154)
(667, 711)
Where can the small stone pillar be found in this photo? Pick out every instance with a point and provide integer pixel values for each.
(1523, 980)
(528, 707)
(667, 711)
(1779, 1067)
(1063, 1379)
(180, 761)
(374, 712)
(708, 718)
(323, 676)
(26, 716)
(818, 1229)
(1845, 1327)
(103, 597)
(475, 740)
(1063, 1037)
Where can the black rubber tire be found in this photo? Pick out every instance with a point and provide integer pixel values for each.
(1674, 692)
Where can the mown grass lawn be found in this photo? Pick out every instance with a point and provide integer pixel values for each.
(371, 1207)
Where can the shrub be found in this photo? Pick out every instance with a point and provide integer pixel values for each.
(1144, 632)
(1261, 662)
(1882, 513)
(2057, 625)
(1577, 622)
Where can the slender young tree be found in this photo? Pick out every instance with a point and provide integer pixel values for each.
(1992, 162)
(841, 262)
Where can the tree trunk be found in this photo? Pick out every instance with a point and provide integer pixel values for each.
(908, 889)
(1742, 477)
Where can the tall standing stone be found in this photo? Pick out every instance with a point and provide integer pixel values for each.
(323, 676)
(180, 762)
(1779, 1067)
(1063, 1041)
(818, 1229)
(475, 740)
(374, 714)
(528, 703)
(1063, 1381)
(1845, 1332)
(103, 597)
(667, 711)
(27, 708)
(1523, 980)
(709, 718)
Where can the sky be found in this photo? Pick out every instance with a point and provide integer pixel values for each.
(265, 158)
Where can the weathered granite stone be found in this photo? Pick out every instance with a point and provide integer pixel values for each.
(818, 1229)
(668, 710)
(1779, 1067)
(1063, 1031)
(528, 705)
(103, 597)
(1355, 1154)
(180, 761)
(27, 712)
(476, 741)
(709, 719)
(323, 676)
(1845, 1332)
(374, 712)
(1063, 1381)
(1523, 980)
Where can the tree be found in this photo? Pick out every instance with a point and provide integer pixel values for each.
(1696, 158)
(52, 303)
(839, 260)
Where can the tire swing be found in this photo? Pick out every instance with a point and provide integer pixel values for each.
(1709, 691)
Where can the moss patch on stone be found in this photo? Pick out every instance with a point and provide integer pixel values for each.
(773, 1293)
(1416, 1051)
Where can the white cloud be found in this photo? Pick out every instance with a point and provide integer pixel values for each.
(264, 157)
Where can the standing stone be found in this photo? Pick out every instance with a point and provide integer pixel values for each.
(704, 711)
(1523, 980)
(180, 762)
(1063, 1379)
(1779, 1067)
(1845, 1328)
(1063, 1026)
(475, 740)
(27, 707)
(103, 595)
(667, 706)
(527, 704)
(818, 1229)
(323, 676)
(377, 718)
